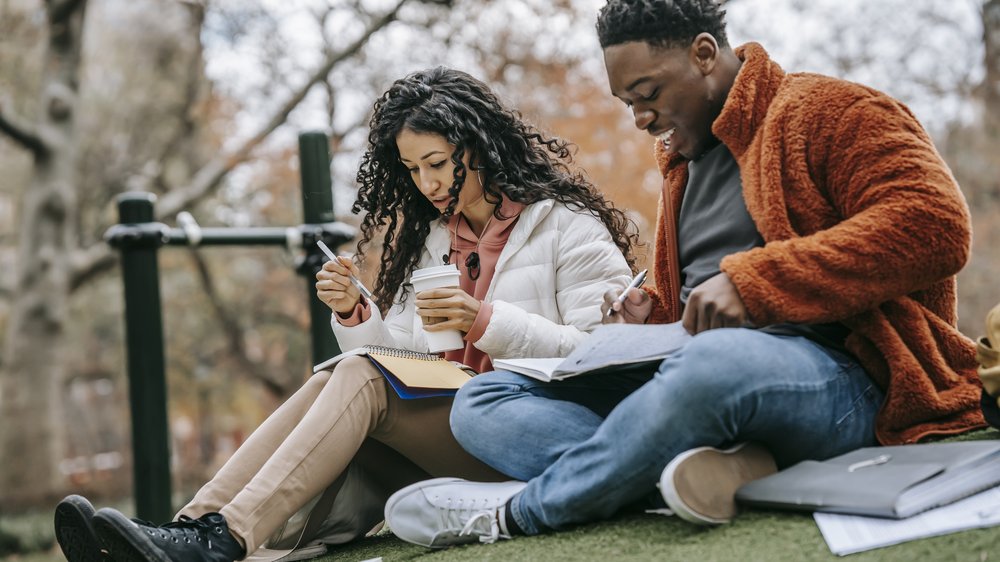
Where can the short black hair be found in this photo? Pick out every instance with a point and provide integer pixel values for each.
(664, 23)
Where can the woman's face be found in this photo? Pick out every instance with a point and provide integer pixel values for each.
(428, 158)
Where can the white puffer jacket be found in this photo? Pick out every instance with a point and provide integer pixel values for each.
(546, 293)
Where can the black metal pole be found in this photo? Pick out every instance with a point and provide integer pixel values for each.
(317, 206)
(144, 342)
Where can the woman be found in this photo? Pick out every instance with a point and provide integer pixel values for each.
(450, 175)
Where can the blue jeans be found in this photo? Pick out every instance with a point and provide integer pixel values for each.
(589, 446)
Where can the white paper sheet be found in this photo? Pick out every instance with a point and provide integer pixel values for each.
(847, 534)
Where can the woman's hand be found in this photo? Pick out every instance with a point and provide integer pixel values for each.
(635, 309)
(448, 308)
(334, 287)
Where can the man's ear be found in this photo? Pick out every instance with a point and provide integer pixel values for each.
(704, 52)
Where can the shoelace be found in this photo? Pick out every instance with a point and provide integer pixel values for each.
(494, 533)
(451, 516)
(189, 528)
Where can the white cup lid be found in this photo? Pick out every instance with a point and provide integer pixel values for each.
(434, 271)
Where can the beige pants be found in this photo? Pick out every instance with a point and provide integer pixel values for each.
(309, 441)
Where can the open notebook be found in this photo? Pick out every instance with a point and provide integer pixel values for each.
(610, 347)
(411, 374)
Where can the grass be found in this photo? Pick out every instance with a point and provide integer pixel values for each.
(770, 536)
(763, 536)
(35, 535)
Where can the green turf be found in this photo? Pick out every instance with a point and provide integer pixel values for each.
(754, 535)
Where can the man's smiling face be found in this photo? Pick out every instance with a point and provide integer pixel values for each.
(670, 90)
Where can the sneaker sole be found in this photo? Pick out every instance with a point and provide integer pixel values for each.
(737, 466)
(124, 541)
(75, 532)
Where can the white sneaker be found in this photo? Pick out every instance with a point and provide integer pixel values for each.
(700, 485)
(447, 511)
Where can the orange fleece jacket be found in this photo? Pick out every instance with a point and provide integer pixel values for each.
(863, 224)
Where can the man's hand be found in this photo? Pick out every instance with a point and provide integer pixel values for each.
(635, 309)
(714, 304)
(448, 308)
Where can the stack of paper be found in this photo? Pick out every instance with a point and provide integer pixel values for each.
(847, 534)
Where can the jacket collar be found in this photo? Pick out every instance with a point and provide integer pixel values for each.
(746, 106)
(745, 109)
(438, 240)
(530, 217)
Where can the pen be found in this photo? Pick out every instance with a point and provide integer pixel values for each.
(638, 280)
(357, 282)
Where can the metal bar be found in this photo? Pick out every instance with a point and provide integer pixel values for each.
(144, 344)
(138, 238)
(292, 237)
(221, 236)
(317, 206)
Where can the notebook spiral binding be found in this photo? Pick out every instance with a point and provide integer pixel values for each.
(402, 353)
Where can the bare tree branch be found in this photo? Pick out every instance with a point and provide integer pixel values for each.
(337, 137)
(61, 10)
(182, 134)
(279, 319)
(20, 132)
(212, 173)
(991, 59)
(331, 92)
(99, 258)
(90, 263)
(233, 331)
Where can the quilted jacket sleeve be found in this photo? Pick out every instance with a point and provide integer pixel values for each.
(587, 264)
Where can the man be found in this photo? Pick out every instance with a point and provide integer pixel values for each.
(809, 236)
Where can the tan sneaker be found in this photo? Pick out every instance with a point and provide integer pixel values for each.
(988, 355)
(993, 324)
(700, 485)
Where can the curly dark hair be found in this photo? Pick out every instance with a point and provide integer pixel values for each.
(514, 158)
(664, 23)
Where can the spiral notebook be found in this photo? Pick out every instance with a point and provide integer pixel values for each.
(411, 374)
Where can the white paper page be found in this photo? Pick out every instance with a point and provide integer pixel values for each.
(625, 344)
(274, 555)
(540, 367)
(847, 534)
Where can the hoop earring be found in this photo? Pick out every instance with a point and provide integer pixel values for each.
(480, 174)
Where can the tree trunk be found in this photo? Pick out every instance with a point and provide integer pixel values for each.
(31, 394)
(991, 60)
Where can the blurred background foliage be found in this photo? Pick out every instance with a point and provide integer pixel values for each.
(200, 102)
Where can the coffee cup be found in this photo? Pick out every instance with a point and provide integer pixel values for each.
(433, 278)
